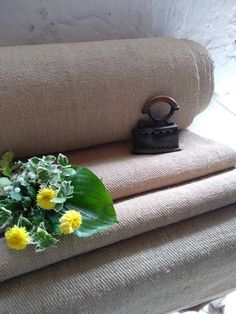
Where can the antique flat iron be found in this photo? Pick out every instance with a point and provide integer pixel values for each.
(156, 135)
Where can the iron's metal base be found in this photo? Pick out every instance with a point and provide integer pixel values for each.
(155, 140)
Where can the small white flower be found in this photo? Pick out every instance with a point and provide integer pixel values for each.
(8, 188)
(32, 175)
(17, 190)
(21, 179)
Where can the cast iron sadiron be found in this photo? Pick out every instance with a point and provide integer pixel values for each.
(156, 135)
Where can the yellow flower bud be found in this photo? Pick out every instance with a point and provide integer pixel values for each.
(66, 228)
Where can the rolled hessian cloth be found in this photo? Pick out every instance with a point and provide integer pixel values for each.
(59, 97)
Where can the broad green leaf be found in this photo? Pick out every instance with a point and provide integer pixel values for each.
(5, 217)
(62, 160)
(93, 201)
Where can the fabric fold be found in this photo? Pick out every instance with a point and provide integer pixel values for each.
(125, 174)
(158, 272)
(136, 215)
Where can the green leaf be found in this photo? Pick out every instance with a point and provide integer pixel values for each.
(31, 191)
(66, 189)
(24, 222)
(50, 158)
(6, 163)
(42, 225)
(59, 200)
(4, 182)
(53, 222)
(93, 201)
(54, 178)
(62, 160)
(10, 204)
(36, 216)
(35, 160)
(58, 207)
(5, 217)
(16, 196)
(6, 171)
(67, 172)
(42, 239)
(7, 158)
(43, 174)
(26, 201)
(56, 229)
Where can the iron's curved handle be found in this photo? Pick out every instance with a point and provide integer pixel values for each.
(151, 101)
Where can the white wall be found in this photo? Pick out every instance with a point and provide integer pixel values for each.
(211, 22)
(43, 21)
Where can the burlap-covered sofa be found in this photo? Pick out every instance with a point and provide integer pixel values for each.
(175, 243)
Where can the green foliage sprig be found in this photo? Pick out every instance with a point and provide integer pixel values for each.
(45, 198)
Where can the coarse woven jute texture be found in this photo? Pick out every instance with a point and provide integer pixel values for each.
(136, 215)
(60, 97)
(125, 174)
(158, 272)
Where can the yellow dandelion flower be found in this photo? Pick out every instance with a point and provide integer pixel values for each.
(70, 221)
(44, 198)
(17, 238)
(66, 227)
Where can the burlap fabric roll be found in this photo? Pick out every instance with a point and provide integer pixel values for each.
(60, 97)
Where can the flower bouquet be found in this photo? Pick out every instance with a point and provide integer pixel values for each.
(45, 198)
